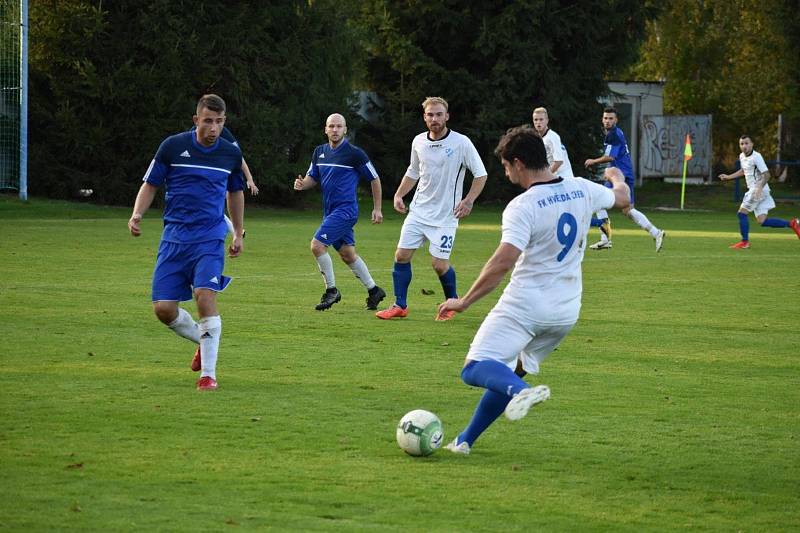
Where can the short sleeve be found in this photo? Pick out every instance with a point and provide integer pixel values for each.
(760, 164)
(313, 170)
(157, 171)
(600, 197)
(473, 159)
(413, 167)
(517, 226)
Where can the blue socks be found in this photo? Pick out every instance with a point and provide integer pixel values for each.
(744, 226)
(401, 276)
(597, 222)
(490, 407)
(494, 376)
(448, 280)
(775, 223)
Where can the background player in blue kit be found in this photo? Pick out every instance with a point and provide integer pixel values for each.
(198, 170)
(617, 155)
(338, 166)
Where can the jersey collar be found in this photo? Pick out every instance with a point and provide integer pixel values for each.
(551, 182)
(428, 135)
(205, 149)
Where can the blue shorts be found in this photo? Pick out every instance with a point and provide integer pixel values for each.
(337, 231)
(181, 268)
(628, 181)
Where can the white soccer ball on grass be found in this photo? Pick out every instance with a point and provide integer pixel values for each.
(420, 433)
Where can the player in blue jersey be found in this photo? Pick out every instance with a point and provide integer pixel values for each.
(199, 170)
(338, 166)
(617, 155)
(543, 240)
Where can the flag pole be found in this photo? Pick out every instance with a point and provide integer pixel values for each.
(687, 155)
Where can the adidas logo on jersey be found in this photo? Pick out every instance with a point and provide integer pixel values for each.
(185, 153)
(324, 235)
(322, 156)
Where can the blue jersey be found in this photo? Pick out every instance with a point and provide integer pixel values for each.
(196, 180)
(617, 147)
(338, 171)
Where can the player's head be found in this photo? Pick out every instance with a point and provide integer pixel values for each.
(610, 118)
(435, 115)
(209, 119)
(521, 148)
(746, 144)
(540, 120)
(335, 129)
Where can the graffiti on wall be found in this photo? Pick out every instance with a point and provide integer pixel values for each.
(662, 143)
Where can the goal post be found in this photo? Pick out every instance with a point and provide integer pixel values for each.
(14, 96)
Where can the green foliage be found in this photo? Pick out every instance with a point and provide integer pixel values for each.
(110, 80)
(674, 400)
(493, 62)
(736, 60)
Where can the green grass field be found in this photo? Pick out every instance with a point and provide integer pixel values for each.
(675, 401)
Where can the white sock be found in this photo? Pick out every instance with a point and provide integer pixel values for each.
(229, 223)
(644, 223)
(210, 332)
(326, 269)
(601, 214)
(359, 268)
(185, 326)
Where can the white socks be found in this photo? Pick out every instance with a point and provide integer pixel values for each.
(601, 214)
(185, 326)
(643, 222)
(326, 269)
(210, 332)
(359, 268)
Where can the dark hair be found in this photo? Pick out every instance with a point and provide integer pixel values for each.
(746, 136)
(610, 109)
(212, 102)
(523, 143)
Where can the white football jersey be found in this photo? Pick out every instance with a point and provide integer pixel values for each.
(556, 151)
(549, 223)
(753, 165)
(439, 168)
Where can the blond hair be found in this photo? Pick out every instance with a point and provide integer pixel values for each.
(431, 100)
(541, 110)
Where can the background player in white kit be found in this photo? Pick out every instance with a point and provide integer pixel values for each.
(757, 198)
(439, 159)
(543, 240)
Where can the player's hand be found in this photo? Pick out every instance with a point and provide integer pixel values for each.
(399, 205)
(251, 185)
(133, 225)
(236, 247)
(377, 216)
(298, 183)
(588, 163)
(453, 304)
(463, 209)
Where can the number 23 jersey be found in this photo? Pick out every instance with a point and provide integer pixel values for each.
(549, 223)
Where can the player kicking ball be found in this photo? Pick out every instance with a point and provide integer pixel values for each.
(543, 240)
(757, 199)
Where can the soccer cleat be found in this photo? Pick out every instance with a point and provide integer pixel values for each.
(741, 245)
(795, 225)
(447, 315)
(660, 240)
(394, 311)
(376, 294)
(206, 383)
(600, 245)
(462, 448)
(196, 363)
(329, 297)
(520, 404)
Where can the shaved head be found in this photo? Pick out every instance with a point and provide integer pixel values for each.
(336, 117)
(335, 129)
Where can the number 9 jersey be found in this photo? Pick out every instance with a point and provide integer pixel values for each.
(549, 223)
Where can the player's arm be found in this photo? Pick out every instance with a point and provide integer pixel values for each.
(251, 185)
(738, 174)
(236, 209)
(493, 272)
(303, 183)
(555, 166)
(598, 161)
(144, 199)
(622, 194)
(406, 184)
(377, 192)
(464, 207)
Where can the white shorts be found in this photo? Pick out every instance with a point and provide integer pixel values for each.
(441, 239)
(503, 338)
(760, 207)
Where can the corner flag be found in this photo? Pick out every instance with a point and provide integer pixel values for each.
(687, 155)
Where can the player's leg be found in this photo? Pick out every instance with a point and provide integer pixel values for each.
(208, 280)
(601, 220)
(411, 237)
(441, 246)
(333, 230)
(761, 211)
(748, 204)
(359, 268)
(172, 284)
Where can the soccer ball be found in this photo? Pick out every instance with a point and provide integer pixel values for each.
(420, 433)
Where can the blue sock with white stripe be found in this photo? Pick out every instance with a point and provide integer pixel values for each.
(775, 223)
(494, 376)
(744, 226)
(448, 281)
(491, 406)
(401, 277)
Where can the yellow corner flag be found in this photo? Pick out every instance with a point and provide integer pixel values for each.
(687, 155)
(687, 151)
